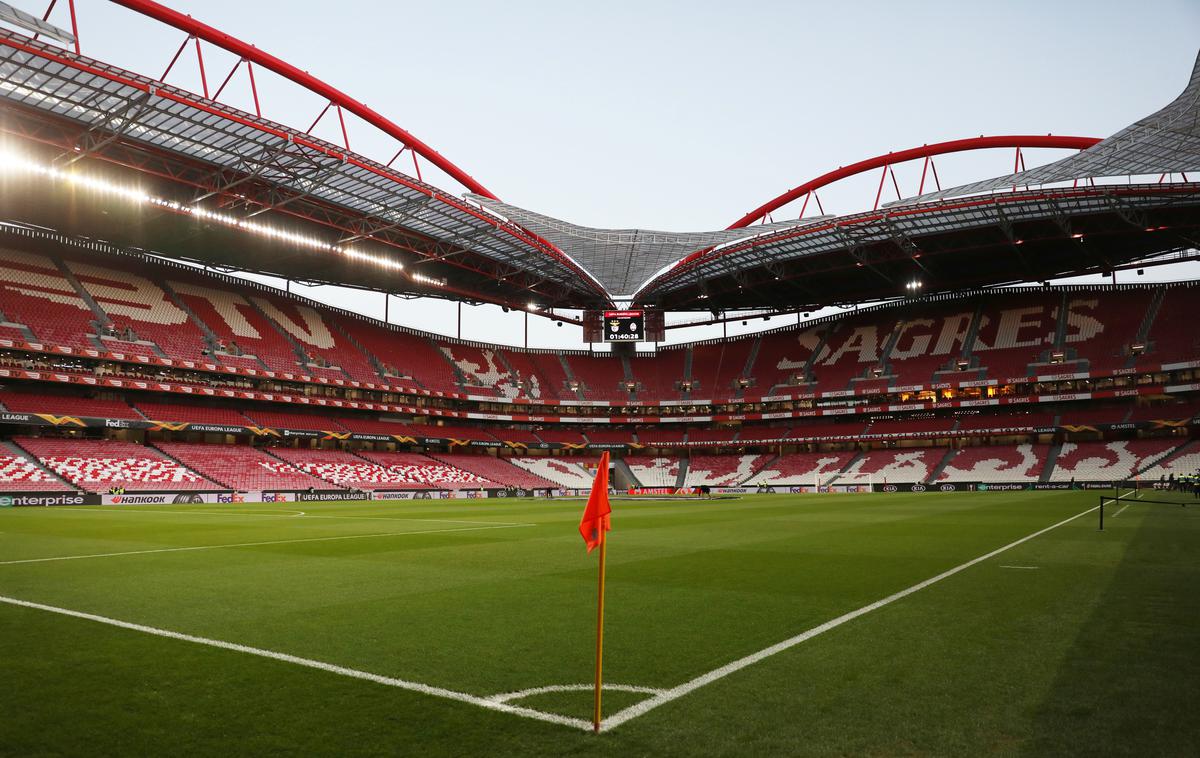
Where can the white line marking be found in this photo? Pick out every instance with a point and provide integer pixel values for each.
(633, 711)
(133, 510)
(1028, 568)
(258, 544)
(1118, 513)
(507, 697)
(424, 689)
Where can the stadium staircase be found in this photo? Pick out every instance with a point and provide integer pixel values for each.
(885, 355)
(849, 465)
(459, 377)
(748, 370)
(26, 333)
(623, 476)
(936, 471)
(768, 466)
(12, 447)
(502, 359)
(211, 340)
(300, 355)
(180, 463)
(806, 376)
(179, 303)
(1183, 449)
(1143, 332)
(968, 346)
(374, 361)
(574, 380)
(681, 478)
(80, 290)
(627, 369)
(687, 373)
(1051, 460)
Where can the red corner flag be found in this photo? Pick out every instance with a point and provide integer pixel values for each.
(595, 515)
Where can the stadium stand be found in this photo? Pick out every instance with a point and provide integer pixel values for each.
(902, 465)
(240, 467)
(659, 376)
(38, 296)
(413, 470)
(1172, 335)
(996, 464)
(365, 425)
(495, 470)
(723, 470)
(1104, 461)
(1015, 332)
(619, 436)
(483, 371)
(289, 420)
(451, 431)
(402, 354)
(202, 414)
(322, 349)
(565, 472)
(133, 302)
(349, 471)
(658, 436)
(601, 377)
(562, 436)
(1183, 461)
(912, 426)
(851, 429)
(929, 344)
(802, 469)
(783, 356)
(1005, 421)
(718, 367)
(711, 436)
(98, 465)
(66, 405)
(541, 374)
(852, 351)
(752, 433)
(18, 473)
(654, 472)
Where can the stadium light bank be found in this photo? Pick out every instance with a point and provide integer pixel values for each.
(14, 163)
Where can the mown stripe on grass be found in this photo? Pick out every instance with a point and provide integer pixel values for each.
(260, 544)
(640, 709)
(424, 689)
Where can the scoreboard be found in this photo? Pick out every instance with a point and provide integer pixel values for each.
(623, 326)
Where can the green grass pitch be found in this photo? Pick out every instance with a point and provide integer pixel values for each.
(1073, 642)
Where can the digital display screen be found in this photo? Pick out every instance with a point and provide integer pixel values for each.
(624, 326)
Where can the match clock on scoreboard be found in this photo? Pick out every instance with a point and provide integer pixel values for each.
(624, 326)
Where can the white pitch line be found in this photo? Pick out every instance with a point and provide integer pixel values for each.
(424, 689)
(1027, 568)
(633, 711)
(1118, 513)
(258, 544)
(507, 697)
(133, 510)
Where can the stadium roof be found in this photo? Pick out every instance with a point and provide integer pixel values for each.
(1165, 142)
(622, 260)
(228, 188)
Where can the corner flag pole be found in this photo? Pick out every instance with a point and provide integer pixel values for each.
(592, 526)
(599, 634)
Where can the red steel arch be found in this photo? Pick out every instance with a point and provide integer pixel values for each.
(252, 54)
(924, 151)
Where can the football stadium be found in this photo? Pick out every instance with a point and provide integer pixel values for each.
(943, 500)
